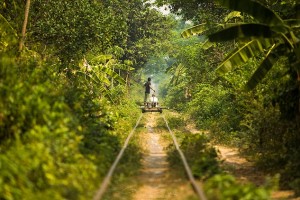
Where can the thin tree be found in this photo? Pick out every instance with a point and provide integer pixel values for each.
(24, 25)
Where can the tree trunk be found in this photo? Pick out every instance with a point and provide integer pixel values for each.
(24, 25)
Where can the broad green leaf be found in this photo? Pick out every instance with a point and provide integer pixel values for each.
(242, 54)
(262, 70)
(111, 73)
(207, 44)
(101, 58)
(178, 73)
(228, 25)
(123, 67)
(242, 31)
(101, 78)
(90, 77)
(233, 15)
(195, 30)
(255, 9)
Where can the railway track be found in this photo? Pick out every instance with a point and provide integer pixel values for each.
(105, 183)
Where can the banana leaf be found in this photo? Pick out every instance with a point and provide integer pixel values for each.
(243, 53)
(201, 28)
(195, 30)
(111, 73)
(123, 67)
(92, 79)
(262, 70)
(207, 44)
(101, 58)
(243, 31)
(255, 9)
(234, 15)
(101, 78)
(179, 72)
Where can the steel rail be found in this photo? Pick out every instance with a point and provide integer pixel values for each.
(100, 192)
(196, 187)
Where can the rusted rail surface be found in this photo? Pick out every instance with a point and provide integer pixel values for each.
(100, 192)
(104, 184)
(198, 190)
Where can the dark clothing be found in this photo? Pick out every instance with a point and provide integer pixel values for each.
(147, 87)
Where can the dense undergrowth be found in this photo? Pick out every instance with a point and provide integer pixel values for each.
(264, 128)
(59, 135)
(241, 98)
(263, 123)
(205, 166)
(65, 101)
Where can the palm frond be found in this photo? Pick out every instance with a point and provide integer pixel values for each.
(195, 30)
(101, 58)
(234, 15)
(243, 53)
(242, 31)
(262, 70)
(111, 73)
(255, 9)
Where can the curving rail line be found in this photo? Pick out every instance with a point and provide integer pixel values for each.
(197, 189)
(100, 192)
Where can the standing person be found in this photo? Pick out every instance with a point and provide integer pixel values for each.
(147, 86)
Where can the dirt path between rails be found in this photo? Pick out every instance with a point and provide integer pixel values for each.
(155, 166)
(156, 180)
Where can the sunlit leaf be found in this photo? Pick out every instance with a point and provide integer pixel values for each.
(111, 73)
(207, 44)
(195, 30)
(242, 31)
(178, 73)
(255, 9)
(242, 54)
(262, 70)
(101, 58)
(233, 15)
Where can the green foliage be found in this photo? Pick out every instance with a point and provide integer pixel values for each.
(63, 120)
(176, 122)
(195, 10)
(176, 97)
(40, 134)
(72, 29)
(62, 139)
(201, 157)
(13, 12)
(226, 187)
(215, 104)
(295, 186)
(284, 36)
(256, 120)
(8, 35)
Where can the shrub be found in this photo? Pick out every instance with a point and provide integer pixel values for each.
(225, 187)
(201, 157)
(58, 135)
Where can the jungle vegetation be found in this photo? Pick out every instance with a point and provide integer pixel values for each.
(65, 80)
(71, 75)
(240, 80)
